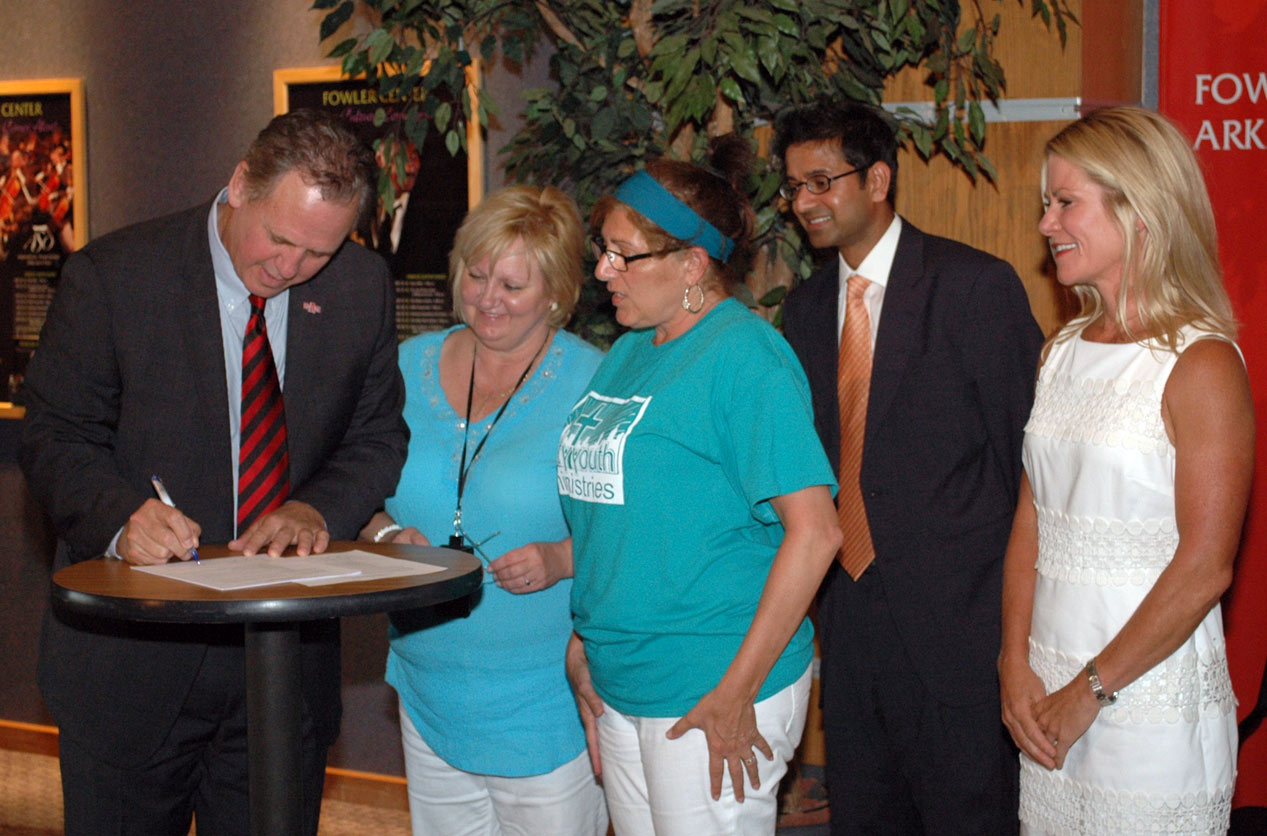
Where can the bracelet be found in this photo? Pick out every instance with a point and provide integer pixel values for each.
(384, 531)
(1097, 688)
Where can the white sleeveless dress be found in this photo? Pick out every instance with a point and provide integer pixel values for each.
(1163, 758)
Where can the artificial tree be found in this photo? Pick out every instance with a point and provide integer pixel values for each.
(632, 80)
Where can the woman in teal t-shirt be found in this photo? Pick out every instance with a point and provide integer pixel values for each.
(700, 504)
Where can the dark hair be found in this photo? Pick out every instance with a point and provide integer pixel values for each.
(866, 134)
(321, 147)
(716, 195)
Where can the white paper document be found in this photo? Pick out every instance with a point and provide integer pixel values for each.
(372, 567)
(230, 573)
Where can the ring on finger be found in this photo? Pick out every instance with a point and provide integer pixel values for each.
(748, 761)
(527, 581)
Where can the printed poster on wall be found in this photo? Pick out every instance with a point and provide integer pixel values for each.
(416, 233)
(43, 208)
(1213, 82)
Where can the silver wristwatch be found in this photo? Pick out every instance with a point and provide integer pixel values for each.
(1093, 678)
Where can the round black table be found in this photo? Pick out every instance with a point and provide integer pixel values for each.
(272, 616)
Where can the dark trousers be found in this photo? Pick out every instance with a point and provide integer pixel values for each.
(199, 772)
(899, 761)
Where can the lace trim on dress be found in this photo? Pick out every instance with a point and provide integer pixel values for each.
(1095, 550)
(1178, 689)
(1111, 413)
(1054, 803)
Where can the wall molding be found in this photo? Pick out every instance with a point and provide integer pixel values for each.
(1007, 110)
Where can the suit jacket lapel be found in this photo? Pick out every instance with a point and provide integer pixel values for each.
(196, 311)
(901, 322)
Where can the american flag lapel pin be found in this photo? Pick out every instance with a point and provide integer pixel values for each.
(312, 307)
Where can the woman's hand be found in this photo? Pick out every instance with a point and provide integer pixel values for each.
(381, 520)
(409, 536)
(1065, 715)
(533, 567)
(1021, 690)
(729, 723)
(588, 702)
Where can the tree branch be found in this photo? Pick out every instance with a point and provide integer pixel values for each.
(640, 24)
(556, 25)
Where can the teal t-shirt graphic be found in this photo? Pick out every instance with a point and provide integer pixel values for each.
(666, 468)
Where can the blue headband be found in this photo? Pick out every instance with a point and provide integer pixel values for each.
(644, 194)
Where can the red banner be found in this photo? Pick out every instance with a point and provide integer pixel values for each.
(1213, 82)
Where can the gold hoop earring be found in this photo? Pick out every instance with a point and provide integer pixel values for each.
(686, 299)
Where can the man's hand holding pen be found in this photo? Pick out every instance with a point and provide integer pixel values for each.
(155, 533)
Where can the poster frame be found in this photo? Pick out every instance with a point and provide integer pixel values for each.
(78, 136)
(284, 78)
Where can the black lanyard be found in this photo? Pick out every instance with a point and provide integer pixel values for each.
(455, 541)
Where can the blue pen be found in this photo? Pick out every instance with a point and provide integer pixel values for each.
(167, 500)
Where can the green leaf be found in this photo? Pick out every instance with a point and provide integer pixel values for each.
(741, 60)
(976, 122)
(442, 114)
(488, 47)
(452, 142)
(923, 141)
(769, 53)
(708, 50)
(603, 124)
(379, 44)
(331, 22)
(380, 116)
(988, 168)
(730, 89)
(773, 296)
(599, 93)
(787, 26)
(967, 40)
(343, 48)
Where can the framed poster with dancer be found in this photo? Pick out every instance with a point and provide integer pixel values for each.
(433, 191)
(43, 208)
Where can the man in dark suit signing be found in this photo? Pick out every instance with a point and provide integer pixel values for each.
(921, 354)
(246, 355)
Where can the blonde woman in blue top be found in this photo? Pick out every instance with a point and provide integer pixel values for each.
(700, 503)
(492, 741)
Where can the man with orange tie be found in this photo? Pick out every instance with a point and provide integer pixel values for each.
(921, 354)
(246, 354)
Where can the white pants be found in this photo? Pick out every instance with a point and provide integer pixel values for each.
(660, 786)
(445, 801)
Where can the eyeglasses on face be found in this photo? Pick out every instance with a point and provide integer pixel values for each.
(619, 261)
(815, 183)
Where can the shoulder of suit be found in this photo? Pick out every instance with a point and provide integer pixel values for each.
(940, 250)
(359, 257)
(164, 240)
(822, 280)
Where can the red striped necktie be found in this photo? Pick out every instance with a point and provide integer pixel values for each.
(263, 459)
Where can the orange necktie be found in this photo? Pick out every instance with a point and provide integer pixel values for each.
(853, 383)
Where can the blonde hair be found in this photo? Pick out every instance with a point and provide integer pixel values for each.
(1150, 175)
(546, 220)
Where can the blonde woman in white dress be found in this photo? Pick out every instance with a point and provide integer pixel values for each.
(1138, 458)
